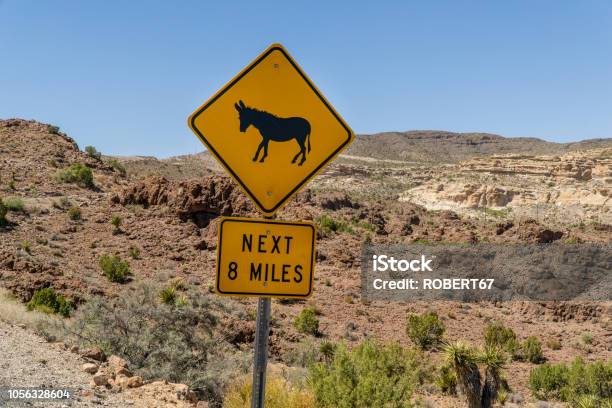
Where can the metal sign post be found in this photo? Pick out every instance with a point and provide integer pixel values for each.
(260, 360)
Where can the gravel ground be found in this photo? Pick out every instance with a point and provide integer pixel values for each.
(27, 360)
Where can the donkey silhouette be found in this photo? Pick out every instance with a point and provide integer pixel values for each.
(271, 127)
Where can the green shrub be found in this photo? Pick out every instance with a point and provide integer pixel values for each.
(120, 168)
(531, 350)
(114, 268)
(279, 394)
(74, 213)
(569, 382)
(77, 173)
(327, 350)
(134, 252)
(47, 301)
(587, 338)
(446, 380)
(53, 129)
(3, 211)
(327, 225)
(425, 330)
(502, 397)
(371, 375)
(586, 401)
(26, 246)
(168, 295)
(116, 222)
(497, 335)
(307, 321)
(93, 152)
(181, 345)
(14, 204)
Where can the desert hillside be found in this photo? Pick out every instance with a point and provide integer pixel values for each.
(437, 146)
(129, 247)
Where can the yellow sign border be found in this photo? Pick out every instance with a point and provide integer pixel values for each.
(301, 184)
(265, 221)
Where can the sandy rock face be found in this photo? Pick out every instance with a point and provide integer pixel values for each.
(576, 165)
(553, 187)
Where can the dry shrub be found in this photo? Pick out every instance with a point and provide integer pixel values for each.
(176, 342)
(279, 394)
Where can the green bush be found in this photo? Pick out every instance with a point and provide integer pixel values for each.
(446, 380)
(53, 129)
(425, 330)
(74, 213)
(114, 268)
(587, 338)
(371, 375)
(327, 350)
(77, 173)
(531, 350)
(134, 252)
(3, 211)
(46, 300)
(116, 222)
(168, 295)
(569, 382)
(307, 321)
(497, 335)
(14, 204)
(93, 152)
(181, 345)
(117, 166)
(327, 225)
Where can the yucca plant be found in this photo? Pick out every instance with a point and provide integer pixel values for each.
(586, 401)
(502, 397)
(168, 296)
(494, 359)
(464, 360)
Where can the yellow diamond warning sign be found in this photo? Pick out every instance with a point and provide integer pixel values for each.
(271, 128)
(258, 257)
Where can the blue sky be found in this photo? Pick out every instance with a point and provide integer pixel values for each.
(123, 76)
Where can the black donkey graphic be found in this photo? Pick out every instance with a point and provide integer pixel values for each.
(271, 127)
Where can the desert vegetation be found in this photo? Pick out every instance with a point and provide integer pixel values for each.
(77, 173)
(307, 321)
(3, 212)
(579, 383)
(92, 152)
(114, 268)
(160, 339)
(48, 301)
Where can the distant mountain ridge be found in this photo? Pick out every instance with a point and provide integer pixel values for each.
(450, 147)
